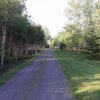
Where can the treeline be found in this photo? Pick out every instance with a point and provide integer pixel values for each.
(82, 31)
(19, 36)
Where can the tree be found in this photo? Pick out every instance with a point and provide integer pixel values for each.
(74, 28)
(8, 9)
(54, 42)
(92, 35)
(84, 25)
(48, 37)
(39, 37)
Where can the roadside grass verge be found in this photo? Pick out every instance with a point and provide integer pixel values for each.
(15, 67)
(83, 75)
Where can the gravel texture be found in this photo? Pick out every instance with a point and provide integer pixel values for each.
(41, 80)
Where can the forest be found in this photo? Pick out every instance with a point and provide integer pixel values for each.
(19, 36)
(82, 30)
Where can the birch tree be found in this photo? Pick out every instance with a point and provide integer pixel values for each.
(8, 9)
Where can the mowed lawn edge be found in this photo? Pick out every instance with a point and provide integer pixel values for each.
(83, 75)
(15, 68)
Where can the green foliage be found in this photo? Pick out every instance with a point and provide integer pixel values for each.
(54, 43)
(93, 44)
(83, 29)
(18, 34)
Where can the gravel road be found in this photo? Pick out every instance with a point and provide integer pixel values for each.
(41, 80)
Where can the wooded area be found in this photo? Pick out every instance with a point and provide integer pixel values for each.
(19, 36)
(82, 31)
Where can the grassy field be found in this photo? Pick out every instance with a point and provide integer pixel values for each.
(15, 67)
(83, 75)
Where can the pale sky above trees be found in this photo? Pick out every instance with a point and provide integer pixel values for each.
(48, 13)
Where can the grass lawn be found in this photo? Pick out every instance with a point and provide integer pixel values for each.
(15, 67)
(83, 74)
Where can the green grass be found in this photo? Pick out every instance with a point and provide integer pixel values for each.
(83, 75)
(16, 67)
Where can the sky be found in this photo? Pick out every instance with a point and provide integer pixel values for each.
(48, 13)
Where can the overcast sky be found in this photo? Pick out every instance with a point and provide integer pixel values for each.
(48, 13)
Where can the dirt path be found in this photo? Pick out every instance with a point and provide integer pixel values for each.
(41, 80)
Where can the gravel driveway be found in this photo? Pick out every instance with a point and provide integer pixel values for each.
(41, 80)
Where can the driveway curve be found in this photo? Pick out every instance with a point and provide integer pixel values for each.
(41, 80)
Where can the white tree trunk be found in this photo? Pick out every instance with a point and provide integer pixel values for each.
(3, 44)
(36, 48)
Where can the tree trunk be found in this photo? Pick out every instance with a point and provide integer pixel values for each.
(3, 44)
(10, 45)
(36, 48)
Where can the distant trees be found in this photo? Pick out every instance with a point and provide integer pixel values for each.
(48, 37)
(83, 29)
(54, 42)
(18, 35)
